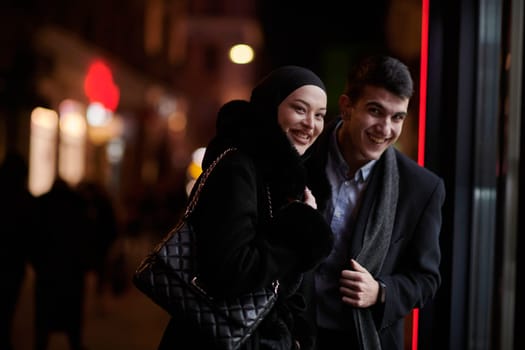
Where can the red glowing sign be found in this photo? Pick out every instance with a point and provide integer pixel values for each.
(100, 87)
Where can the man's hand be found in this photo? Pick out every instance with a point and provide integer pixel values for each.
(358, 287)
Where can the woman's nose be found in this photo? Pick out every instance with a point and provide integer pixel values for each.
(308, 121)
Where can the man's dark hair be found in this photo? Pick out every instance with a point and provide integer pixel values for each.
(381, 71)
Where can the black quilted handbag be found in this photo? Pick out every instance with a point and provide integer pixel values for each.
(168, 277)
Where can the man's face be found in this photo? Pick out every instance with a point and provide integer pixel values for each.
(372, 123)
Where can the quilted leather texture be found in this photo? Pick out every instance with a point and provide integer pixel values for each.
(166, 276)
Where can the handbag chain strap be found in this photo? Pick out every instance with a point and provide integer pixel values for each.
(275, 284)
(269, 201)
(204, 176)
(193, 202)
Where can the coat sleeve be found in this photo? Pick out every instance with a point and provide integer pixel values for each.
(239, 251)
(299, 227)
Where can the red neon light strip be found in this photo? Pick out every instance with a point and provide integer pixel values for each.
(415, 320)
(423, 82)
(423, 77)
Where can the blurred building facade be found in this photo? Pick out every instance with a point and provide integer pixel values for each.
(170, 67)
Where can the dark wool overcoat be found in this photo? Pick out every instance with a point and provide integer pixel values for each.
(411, 267)
(253, 229)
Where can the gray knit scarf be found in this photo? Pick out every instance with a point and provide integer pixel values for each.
(377, 235)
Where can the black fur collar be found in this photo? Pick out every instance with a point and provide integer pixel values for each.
(275, 157)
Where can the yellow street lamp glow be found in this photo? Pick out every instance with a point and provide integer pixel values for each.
(241, 54)
(194, 170)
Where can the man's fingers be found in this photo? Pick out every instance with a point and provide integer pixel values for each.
(356, 266)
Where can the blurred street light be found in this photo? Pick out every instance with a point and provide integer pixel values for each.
(241, 54)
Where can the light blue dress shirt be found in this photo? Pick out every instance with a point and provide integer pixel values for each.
(345, 194)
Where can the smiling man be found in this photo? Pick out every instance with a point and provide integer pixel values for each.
(384, 211)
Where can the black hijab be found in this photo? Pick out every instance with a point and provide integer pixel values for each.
(276, 86)
(252, 125)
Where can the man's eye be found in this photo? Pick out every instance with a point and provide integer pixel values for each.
(374, 111)
(399, 117)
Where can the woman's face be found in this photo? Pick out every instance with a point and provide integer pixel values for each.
(301, 116)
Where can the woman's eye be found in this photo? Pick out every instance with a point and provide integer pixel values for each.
(300, 109)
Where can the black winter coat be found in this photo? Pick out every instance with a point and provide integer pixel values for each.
(253, 229)
(411, 268)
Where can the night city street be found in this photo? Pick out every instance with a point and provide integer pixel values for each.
(129, 321)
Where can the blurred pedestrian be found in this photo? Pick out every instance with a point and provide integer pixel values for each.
(60, 260)
(17, 227)
(102, 231)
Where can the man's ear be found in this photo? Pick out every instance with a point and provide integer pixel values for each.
(345, 106)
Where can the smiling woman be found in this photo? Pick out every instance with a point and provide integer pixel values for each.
(255, 221)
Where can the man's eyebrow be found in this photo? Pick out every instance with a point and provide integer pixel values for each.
(375, 104)
(381, 106)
